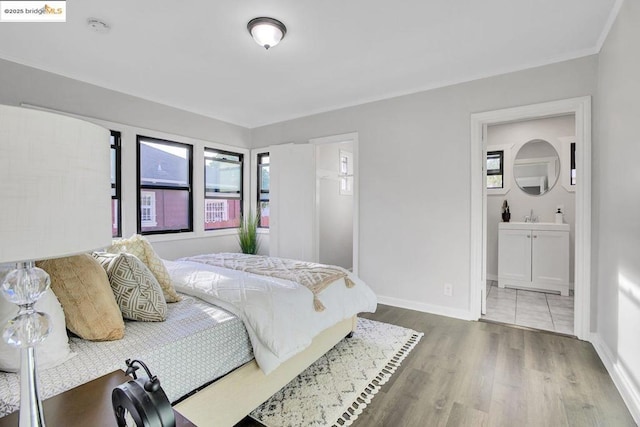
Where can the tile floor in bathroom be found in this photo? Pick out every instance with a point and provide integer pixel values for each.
(539, 310)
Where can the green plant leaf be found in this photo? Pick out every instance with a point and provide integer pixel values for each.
(248, 234)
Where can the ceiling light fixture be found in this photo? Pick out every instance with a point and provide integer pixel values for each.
(267, 32)
(98, 25)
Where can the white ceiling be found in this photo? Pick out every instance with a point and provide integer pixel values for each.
(198, 56)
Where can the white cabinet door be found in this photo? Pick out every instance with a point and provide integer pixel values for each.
(550, 257)
(292, 201)
(514, 255)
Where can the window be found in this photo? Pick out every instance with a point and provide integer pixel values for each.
(572, 177)
(116, 206)
(223, 189)
(148, 209)
(263, 189)
(495, 169)
(346, 173)
(215, 211)
(164, 186)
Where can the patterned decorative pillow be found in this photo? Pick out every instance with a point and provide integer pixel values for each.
(137, 291)
(83, 289)
(140, 247)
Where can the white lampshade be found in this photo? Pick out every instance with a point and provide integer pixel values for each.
(267, 32)
(54, 185)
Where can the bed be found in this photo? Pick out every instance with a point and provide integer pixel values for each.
(205, 352)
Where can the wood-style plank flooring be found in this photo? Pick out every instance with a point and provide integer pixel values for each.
(483, 374)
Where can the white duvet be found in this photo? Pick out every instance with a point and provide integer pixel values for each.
(278, 314)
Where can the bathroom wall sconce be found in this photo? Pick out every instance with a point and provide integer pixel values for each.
(267, 32)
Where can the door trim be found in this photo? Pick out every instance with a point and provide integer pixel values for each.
(345, 137)
(581, 107)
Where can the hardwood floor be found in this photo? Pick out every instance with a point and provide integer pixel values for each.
(482, 374)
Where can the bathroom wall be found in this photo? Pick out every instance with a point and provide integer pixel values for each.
(558, 131)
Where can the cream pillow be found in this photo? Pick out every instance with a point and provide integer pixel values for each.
(83, 289)
(140, 247)
(53, 351)
(137, 291)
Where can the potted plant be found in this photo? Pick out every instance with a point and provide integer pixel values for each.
(248, 234)
(506, 215)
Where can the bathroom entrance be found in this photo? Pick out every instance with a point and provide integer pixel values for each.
(537, 159)
(530, 222)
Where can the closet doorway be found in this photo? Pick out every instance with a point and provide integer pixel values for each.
(336, 218)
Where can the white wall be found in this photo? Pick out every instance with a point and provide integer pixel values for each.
(616, 205)
(20, 84)
(132, 116)
(335, 209)
(414, 159)
(514, 135)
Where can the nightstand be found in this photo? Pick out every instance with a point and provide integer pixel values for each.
(86, 405)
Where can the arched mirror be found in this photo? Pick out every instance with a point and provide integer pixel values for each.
(536, 167)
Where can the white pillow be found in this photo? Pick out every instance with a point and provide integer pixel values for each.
(53, 351)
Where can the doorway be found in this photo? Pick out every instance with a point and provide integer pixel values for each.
(336, 219)
(530, 178)
(480, 122)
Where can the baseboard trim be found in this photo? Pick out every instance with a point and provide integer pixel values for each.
(629, 393)
(426, 308)
(493, 277)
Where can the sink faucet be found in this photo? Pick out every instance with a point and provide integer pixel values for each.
(531, 218)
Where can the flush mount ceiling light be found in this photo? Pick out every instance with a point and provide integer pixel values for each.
(267, 32)
(98, 25)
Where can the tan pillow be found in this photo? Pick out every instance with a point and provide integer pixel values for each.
(137, 291)
(89, 306)
(140, 247)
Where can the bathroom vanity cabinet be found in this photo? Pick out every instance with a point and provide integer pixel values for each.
(534, 256)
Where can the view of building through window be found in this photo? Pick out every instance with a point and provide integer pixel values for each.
(223, 189)
(263, 189)
(495, 169)
(116, 206)
(573, 164)
(164, 177)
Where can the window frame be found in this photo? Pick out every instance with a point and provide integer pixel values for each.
(259, 189)
(140, 187)
(240, 162)
(116, 187)
(493, 172)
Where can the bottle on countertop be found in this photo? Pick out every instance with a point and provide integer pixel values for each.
(559, 217)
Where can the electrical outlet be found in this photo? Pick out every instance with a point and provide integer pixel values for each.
(448, 289)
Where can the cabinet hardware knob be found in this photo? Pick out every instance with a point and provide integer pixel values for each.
(535, 236)
(528, 236)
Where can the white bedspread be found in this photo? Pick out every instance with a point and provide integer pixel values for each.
(277, 313)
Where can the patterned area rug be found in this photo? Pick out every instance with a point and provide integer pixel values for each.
(338, 386)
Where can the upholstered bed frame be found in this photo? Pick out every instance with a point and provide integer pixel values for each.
(232, 397)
